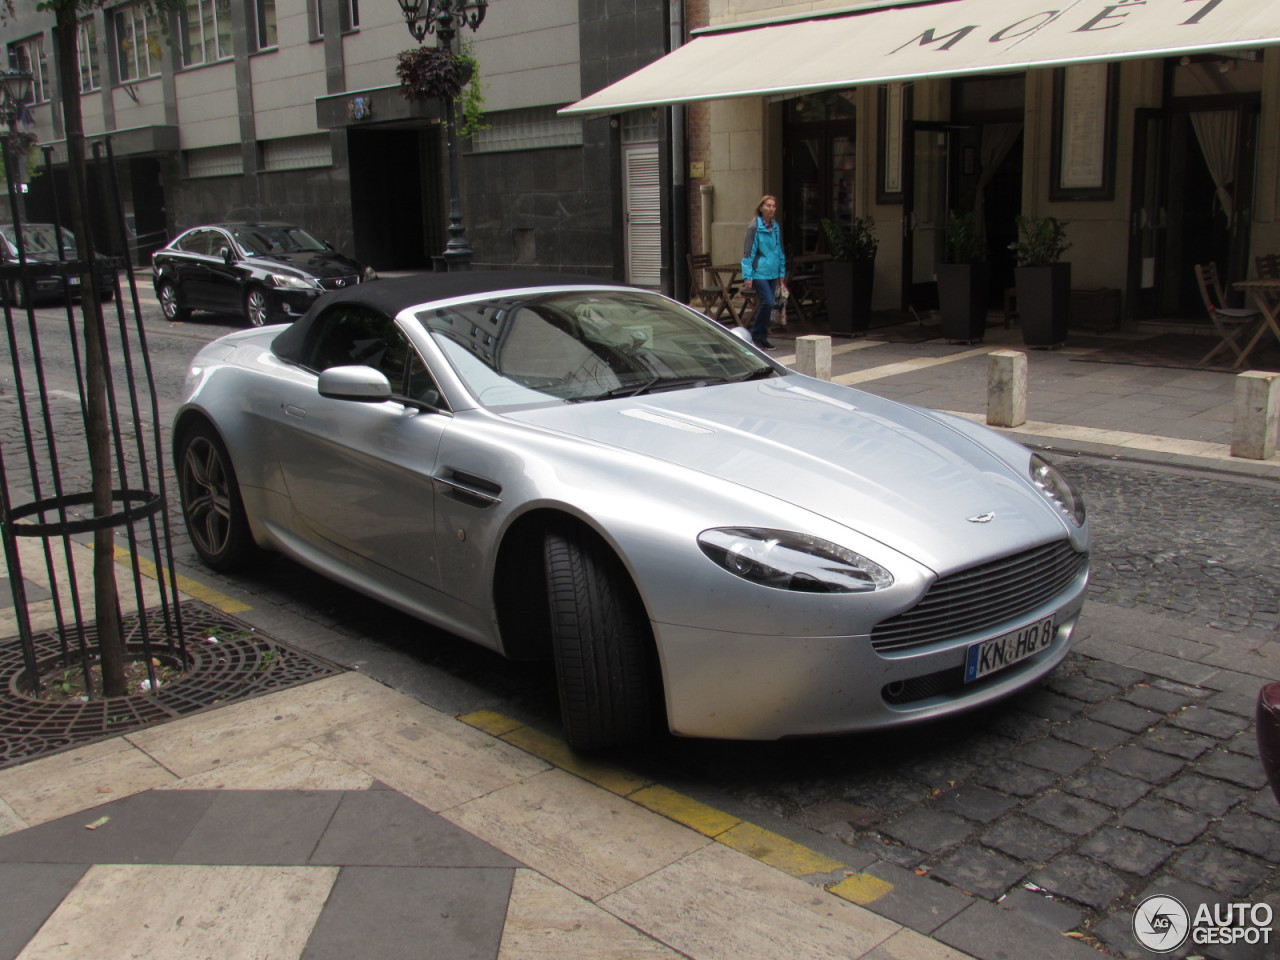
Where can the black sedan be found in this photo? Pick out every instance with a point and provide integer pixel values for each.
(269, 272)
(47, 266)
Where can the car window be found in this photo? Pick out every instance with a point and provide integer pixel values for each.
(347, 334)
(264, 238)
(197, 241)
(573, 346)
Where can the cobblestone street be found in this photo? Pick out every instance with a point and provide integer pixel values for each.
(1132, 771)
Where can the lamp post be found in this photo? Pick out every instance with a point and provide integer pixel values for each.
(445, 18)
(15, 89)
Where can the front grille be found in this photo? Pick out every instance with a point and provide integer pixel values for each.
(983, 596)
(339, 283)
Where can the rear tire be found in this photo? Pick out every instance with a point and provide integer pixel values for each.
(600, 642)
(211, 503)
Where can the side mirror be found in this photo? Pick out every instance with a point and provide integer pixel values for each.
(225, 254)
(360, 384)
(330, 246)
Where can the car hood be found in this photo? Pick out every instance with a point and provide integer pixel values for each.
(317, 263)
(890, 471)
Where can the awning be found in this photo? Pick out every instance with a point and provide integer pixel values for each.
(948, 38)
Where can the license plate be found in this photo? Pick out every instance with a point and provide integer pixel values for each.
(998, 652)
(74, 281)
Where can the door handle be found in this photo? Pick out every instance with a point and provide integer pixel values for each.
(291, 411)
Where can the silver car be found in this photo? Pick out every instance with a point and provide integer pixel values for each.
(697, 536)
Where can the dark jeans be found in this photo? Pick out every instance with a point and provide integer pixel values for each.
(766, 293)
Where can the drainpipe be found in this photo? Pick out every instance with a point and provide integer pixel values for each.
(678, 233)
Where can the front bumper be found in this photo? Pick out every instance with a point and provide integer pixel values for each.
(288, 303)
(730, 686)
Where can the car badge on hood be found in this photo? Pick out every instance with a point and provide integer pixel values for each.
(982, 518)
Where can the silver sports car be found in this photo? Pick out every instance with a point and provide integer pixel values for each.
(697, 536)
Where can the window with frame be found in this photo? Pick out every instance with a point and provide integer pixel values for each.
(87, 55)
(137, 42)
(262, 23)
(206, 32)
(29, 57)
(350, 12)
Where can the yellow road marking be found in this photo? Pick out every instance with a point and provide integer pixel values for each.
(777, 851)
(756, 842)
(192, 588)
(861, 888)
(694, 814)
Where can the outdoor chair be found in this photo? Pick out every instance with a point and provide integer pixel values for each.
(804, 281)
(708, 289)
(1235, 325)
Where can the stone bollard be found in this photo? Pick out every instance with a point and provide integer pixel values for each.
(813, 356)
(1257, 412)
(1006, 388)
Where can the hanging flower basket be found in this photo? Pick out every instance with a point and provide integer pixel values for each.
(430, 73)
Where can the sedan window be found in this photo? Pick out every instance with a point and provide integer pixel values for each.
(197, 241)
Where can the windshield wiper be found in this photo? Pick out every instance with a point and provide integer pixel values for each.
(652, 385)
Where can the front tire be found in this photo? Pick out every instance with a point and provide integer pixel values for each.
(600, 642)
(211, 503)
(168, 295)
(255, 306)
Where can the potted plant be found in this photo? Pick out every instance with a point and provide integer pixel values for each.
(848, 275)
(1043, 281)
(964, 280)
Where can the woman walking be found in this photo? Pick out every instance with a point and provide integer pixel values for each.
(763, 266)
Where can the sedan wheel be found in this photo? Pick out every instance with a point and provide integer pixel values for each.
(211, 503)
(168, 294)
(600, 640)
(255, 306)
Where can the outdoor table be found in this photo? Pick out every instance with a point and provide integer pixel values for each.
(1266, 297)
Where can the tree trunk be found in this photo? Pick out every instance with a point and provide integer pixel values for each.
(98, 429)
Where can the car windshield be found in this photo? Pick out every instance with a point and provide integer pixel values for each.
(39, 239)
(578, 346)
(261, 238)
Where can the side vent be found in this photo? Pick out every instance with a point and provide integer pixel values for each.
(468, 488)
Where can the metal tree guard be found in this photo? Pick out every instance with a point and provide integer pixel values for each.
(43, 449)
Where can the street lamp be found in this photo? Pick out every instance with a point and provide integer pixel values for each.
(445, 18)
(15, 90)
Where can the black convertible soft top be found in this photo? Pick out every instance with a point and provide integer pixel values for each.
(390, 296)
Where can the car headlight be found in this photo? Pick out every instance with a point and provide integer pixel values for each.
(1057, 488)
(367, 274)
(792, 561)
(289, 280)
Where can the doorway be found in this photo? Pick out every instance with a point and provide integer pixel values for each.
(394, 221)
(819, 168)
(1193, 173)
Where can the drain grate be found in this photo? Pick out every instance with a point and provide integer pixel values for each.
(243, 663)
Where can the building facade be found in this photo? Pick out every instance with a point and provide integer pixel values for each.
(1151, 127)
(290, 109)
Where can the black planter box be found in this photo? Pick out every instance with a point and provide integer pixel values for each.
(847, 288)
(963, 296)
(1044, 303)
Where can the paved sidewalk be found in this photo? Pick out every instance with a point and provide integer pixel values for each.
(342, 819)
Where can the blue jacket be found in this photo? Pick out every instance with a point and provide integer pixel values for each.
(762, 256)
